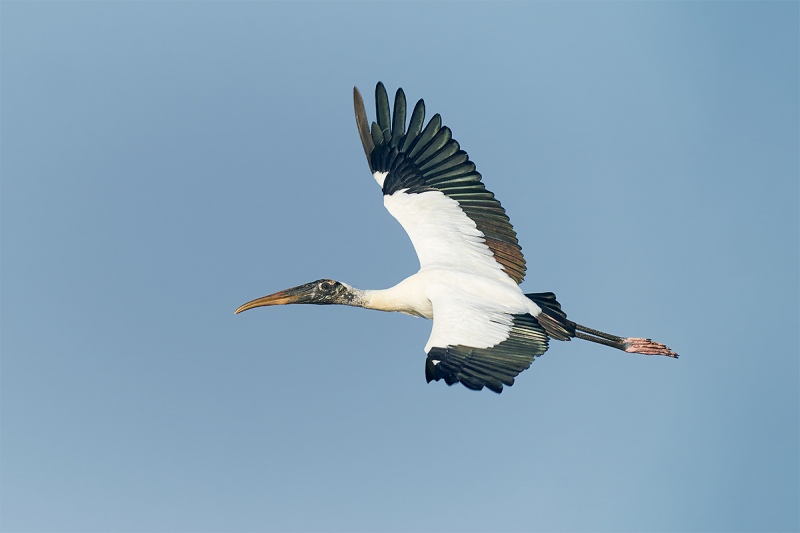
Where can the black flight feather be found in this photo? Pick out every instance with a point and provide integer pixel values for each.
(493, 367)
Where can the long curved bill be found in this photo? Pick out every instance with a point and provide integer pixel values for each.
(296, 295)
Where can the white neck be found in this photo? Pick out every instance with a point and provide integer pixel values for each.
(399, 299)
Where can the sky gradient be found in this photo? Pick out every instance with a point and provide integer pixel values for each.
(164, 162)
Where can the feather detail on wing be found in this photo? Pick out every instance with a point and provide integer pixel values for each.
(418, 168)
(476, 366)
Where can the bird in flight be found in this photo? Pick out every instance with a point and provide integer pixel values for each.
(485, 329)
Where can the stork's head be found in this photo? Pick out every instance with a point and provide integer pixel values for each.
(321, 292)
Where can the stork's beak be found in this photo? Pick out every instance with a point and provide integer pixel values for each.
(301, 294)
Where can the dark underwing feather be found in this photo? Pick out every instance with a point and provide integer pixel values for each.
(382, 107)
(493, 367)
(415, 125)
(399, 118)
(426, 157)
(363, 126)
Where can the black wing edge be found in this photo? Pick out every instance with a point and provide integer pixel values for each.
(476, 368)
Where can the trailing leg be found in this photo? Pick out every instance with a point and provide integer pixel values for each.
(559, 327)
(626, 344)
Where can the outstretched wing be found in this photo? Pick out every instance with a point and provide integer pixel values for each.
(432, 188)
(479, 347)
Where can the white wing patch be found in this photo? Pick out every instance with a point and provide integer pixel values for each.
(459, 323)
(443, 236)
(380, 177)
(471, 311)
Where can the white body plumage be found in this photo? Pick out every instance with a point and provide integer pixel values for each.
(459, 284)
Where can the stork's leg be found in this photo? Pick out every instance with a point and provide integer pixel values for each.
(626, 344)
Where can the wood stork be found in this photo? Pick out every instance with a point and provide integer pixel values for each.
(485, 329)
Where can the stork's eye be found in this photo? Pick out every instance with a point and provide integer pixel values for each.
(325, 286)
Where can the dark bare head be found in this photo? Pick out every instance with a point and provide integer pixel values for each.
(320, 292)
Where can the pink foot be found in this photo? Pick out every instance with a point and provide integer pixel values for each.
(647, 347)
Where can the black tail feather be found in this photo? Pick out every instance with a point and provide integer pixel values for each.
(552, 318)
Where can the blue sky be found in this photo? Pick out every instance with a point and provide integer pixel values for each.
(164, 162)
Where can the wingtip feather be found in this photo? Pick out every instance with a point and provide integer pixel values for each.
(363, 126)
